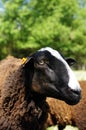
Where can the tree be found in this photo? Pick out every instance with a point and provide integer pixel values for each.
(15, 26)
(32, 24)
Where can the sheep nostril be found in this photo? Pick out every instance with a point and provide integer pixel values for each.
(77, 92)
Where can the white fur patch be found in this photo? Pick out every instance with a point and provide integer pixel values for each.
(73, 83)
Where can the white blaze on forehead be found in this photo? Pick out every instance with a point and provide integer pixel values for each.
(73, 83)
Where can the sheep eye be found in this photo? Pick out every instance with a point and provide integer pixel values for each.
(41, 62)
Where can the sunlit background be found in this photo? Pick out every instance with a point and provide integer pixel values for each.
(27, 25)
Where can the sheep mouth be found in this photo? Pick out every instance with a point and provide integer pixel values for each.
(73, 97)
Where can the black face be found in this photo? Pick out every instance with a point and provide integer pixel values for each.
(51, 77)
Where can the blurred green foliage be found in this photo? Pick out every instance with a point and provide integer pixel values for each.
(27, 26)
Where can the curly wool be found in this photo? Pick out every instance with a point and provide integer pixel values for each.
(18, 110)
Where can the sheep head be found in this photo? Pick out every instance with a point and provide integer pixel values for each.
(48, 74)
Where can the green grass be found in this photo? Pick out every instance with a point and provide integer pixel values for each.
(68, 127)
(52, 128)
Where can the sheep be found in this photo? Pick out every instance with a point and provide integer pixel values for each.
(25, 86)
(63, 114)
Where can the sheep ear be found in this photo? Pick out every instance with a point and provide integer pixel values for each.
(28, 69)
(70, 61)
(28, 62)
